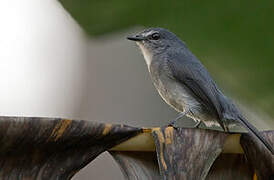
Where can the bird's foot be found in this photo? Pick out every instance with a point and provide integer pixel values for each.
(173, 122)
(197, 124)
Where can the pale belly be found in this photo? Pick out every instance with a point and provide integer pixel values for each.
(182, 100)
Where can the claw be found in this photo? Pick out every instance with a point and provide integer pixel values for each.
(173, 124)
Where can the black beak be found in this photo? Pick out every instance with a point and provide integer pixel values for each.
(135, 38)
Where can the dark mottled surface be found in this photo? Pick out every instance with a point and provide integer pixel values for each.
(230, 167)
(187, 153)
(258, 156)
(53, 148)
(194, 154)
(144, 166)
(138, 165)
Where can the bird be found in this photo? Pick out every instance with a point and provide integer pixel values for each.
(185, 84)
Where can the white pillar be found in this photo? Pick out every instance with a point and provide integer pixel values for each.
(42, 60)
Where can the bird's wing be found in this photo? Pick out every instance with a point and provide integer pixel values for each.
(192, 74)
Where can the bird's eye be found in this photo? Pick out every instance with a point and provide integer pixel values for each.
(155, 36)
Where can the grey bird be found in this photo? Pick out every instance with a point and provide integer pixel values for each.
(185, 84)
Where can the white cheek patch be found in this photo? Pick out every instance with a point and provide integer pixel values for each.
(146, 53)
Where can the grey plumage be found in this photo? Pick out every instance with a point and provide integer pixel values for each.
(185, 84)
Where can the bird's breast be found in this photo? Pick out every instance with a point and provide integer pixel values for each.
(175, 94)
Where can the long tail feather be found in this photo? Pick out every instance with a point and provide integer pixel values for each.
(257, 134)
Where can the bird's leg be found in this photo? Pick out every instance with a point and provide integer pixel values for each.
(173, 122)
(198, 124)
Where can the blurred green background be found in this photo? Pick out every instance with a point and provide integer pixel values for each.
(232, 38)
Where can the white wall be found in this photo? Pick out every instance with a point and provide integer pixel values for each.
(42, 60)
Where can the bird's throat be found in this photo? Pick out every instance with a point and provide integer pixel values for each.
(147, 55)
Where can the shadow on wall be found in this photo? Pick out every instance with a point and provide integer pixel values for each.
(120, 89)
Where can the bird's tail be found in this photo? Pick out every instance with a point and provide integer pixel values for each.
(257, 134)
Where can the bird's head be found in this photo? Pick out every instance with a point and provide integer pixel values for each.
(156, 40)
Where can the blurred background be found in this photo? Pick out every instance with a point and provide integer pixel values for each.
(70, 59)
